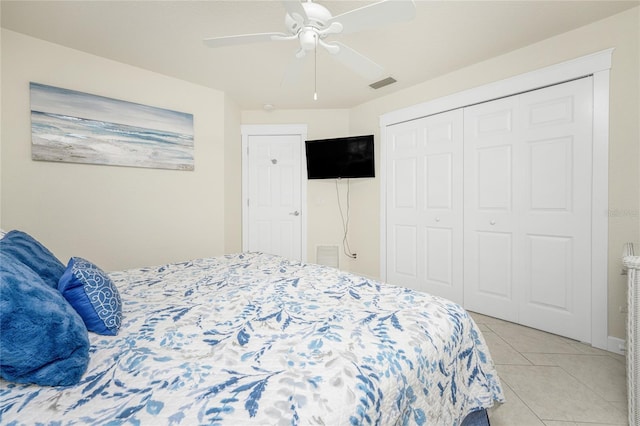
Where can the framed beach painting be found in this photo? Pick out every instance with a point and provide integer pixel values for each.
(77, 127)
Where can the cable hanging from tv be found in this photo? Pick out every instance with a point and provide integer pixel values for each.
(345, 221)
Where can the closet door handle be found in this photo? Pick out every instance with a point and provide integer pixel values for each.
(437, 219)
(492, 222)
(296, 213)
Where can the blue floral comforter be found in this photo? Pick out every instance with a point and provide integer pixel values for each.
(257, 339)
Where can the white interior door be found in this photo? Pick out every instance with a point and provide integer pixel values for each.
(273, 191)
(490, 218)
(555, 219)
(528, 208)
(424, 242)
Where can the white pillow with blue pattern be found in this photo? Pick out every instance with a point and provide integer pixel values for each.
(93, 295)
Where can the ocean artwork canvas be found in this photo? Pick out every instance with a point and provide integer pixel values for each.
(77, 127)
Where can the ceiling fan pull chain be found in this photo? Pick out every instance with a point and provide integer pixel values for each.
(315, 70)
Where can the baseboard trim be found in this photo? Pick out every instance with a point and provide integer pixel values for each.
(616, 345)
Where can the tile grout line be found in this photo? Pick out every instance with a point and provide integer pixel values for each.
(505, 381)
(577, 352)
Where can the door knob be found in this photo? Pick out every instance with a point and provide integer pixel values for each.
(492, 222)
(437, 219)
(296, 213)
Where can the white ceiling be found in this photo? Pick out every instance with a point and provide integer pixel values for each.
(166, 37)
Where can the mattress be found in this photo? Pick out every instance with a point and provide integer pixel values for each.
(253, 338)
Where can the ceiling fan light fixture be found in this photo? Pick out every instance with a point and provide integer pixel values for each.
(308, 39)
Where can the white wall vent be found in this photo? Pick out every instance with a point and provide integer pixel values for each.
(384, 82)
(327, 255)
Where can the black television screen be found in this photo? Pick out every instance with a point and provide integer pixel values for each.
(350, 157)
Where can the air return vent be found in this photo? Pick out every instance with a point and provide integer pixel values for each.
(327, 255)
(384, 82)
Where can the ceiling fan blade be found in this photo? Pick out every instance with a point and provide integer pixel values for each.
(357, 62)
(376, 15)
(295, 10)
(244, 39)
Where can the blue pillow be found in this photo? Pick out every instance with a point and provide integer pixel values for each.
(26, 249)
(42, 338)
(93, 295)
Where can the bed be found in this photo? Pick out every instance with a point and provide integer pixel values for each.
(253, 338)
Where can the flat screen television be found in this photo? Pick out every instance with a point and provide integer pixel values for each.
(338, 158)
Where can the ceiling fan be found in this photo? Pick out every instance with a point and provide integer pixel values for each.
(311, 24)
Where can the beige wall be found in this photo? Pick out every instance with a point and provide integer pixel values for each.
(118, 217)
(232, 179)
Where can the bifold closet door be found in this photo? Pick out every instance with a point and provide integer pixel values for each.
(491, 212)
(527, 238)
(424, 204)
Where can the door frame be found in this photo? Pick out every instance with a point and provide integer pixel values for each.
(597, 65)
(248, 130)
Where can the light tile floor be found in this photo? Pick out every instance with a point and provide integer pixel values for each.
(550, 380)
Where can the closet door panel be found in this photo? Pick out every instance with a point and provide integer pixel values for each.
(494, 264)
(493, 168)
(551, 177)
(550, 285)
(405, 252)
(404, 172)
(442, 205)
(424, 249)
(556, 213)
(439, 256)
(403, 256)
(438, 181)
(490, 228)
(440, 221)
(527, 208)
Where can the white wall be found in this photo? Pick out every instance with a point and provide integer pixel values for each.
(118, 217)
